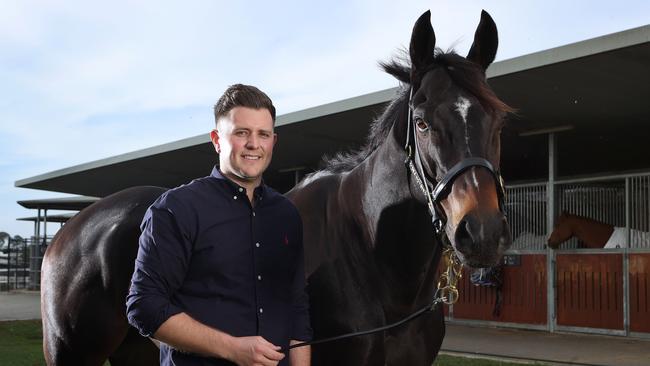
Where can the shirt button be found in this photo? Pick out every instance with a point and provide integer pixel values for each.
(261, 310)
(259, 278)
(234, 197)
(257, 245)
(253, 213)
(241, 189)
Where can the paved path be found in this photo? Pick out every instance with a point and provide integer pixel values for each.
(20, 305)
(549, 348)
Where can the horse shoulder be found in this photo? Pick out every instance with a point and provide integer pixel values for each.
(316, 200)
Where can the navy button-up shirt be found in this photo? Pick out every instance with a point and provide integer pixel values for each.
(235, 266)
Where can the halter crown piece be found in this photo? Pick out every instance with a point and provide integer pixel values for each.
(436, 192)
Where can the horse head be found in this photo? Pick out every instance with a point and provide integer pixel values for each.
(562, 231)
(456, 118)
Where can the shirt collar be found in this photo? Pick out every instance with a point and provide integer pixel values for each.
(259, 193)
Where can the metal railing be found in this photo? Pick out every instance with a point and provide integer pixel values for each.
(619, 200)
(20, 263)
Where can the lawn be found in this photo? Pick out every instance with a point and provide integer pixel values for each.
(21, 345)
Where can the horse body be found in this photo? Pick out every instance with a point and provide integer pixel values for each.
(85, 277)
(371, 258)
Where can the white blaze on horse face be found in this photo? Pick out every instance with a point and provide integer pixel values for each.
(462, 107)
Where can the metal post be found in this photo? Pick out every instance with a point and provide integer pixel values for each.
(8, 262)
(628, 213)
(550, 223)
(626, 262)
(38, 225)
(45, 227)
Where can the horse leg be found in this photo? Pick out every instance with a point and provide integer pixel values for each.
(336, 308)
(135, 350)
(83, 329)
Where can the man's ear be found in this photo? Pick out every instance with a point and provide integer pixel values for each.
(214, 136)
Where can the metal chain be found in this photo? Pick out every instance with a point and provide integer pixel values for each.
(448, 280)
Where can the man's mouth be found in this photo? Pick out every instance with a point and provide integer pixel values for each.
(252, 157)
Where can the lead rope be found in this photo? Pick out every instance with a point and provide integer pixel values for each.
(446, 293)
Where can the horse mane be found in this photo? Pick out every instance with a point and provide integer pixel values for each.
(463, 72)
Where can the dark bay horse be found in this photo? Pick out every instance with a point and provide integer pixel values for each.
(371, 251)
(370, 247)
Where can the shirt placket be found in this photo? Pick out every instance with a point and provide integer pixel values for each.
(257, 244)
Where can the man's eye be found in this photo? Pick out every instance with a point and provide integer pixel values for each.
(240, 133)
(421, 124)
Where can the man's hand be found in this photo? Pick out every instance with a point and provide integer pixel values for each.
(254, 351)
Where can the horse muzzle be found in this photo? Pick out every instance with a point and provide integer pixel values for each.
(480, 240)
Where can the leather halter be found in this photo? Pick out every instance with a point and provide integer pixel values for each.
(438, 191)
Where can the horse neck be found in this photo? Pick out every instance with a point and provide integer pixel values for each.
(397, 225)
(593, 234)
(385, 183)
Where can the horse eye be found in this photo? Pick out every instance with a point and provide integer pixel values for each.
(422, 125)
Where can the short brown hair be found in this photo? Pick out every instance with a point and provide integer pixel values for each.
(240, 95)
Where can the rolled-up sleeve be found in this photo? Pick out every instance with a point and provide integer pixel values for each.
(164, 253)
(302, 330)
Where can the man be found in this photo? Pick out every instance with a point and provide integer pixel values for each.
(219, 276)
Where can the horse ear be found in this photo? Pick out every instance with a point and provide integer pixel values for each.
(486, 41)
(423, 42)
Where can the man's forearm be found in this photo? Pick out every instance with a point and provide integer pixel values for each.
(300, 356)
(184, 333)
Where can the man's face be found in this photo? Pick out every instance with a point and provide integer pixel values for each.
(244, 140)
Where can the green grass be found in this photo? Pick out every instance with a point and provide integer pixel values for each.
(446, 360)
(21, 344)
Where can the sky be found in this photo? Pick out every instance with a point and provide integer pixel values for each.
(86, 80)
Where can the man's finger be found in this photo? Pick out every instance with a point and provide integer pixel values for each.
(272, 354)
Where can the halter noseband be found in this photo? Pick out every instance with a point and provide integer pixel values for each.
(443, 187)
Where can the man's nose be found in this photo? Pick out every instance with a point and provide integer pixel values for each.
(252, 142)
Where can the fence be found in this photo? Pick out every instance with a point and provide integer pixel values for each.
(20, 263)
(622, 201)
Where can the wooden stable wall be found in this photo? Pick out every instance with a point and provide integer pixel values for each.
(523, 294)
(589, 292)
(640, 292)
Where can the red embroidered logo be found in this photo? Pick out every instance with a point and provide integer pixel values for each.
(286, 240)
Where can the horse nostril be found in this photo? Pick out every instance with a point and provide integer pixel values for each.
(463, 236)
